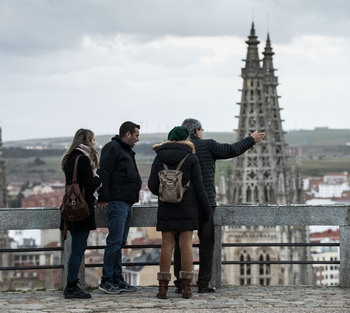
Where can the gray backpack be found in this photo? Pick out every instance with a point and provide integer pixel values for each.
(170, 184)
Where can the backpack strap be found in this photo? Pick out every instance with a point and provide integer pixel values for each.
(179, 165)
(182, 162)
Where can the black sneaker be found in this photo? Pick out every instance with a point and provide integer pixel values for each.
(124, 286)
(76, 292)
(206, 289)
(109, 287)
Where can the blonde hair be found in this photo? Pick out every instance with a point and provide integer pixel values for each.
(82, 136)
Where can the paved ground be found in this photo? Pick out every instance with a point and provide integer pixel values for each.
(234, 299)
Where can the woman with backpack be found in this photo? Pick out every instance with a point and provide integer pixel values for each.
(82, 148)
(179, 216)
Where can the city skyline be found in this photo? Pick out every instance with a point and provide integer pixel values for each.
(95, 64)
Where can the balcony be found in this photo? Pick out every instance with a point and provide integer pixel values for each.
(226, 297)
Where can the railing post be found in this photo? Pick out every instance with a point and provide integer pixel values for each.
(344, 270)
(67, 249)
(216, 271)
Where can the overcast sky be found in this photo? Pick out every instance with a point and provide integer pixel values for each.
(66, 64)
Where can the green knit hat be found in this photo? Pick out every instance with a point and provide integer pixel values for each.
(178, 133)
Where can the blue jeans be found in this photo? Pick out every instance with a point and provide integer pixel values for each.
(119, 216)
(79, 244)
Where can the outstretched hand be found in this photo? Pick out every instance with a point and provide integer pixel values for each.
(258, 136)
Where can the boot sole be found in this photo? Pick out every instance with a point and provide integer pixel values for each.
(117, 292)
(187, 296)
(77, 297)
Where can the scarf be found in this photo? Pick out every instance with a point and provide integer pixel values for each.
(87, 150)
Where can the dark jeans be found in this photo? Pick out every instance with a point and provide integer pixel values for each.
(206, 252)
(119, 216)
(79, 244)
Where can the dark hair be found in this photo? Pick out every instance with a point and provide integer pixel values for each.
(127, 127)
(192, 124)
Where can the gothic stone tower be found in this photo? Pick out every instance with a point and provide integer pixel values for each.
(262, 175)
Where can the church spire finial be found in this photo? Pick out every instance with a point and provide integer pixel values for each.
(252, 30)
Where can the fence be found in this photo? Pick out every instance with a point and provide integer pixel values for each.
(239, 215)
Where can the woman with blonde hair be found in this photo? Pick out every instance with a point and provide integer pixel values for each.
(178, 218)
(83, 147)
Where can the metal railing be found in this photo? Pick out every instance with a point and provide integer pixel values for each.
(242, 215)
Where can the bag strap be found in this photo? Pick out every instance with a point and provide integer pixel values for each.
(74, 180)
(179, 165)
(182, 162)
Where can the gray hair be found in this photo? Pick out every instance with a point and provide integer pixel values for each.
(192, 124)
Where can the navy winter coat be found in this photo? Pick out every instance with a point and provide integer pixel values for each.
(184, 215)
(119, 174)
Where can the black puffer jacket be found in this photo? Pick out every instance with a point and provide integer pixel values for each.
(208, 151)
(184, 215)
(86, 181)
(119, 174)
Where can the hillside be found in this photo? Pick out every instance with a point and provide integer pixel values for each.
(323, 151)
(318, 137)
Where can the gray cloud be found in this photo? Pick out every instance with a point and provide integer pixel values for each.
(159, 61)
(38, 26)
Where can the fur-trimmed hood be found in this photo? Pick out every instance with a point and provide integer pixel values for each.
(185, 142)
(172, 152)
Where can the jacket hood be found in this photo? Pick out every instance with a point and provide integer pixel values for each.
(171, 152)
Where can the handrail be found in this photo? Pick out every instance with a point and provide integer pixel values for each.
(238, 215)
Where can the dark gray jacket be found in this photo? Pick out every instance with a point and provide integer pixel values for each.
(119, 174)
(208, 151)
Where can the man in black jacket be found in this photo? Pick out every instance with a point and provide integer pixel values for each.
(121, 184)
(208, 151)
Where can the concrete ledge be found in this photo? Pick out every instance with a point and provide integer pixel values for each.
(146, 216)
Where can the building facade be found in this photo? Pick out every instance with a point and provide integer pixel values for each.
(5, 258)
(262, 175)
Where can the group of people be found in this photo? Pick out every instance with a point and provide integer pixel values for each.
(117, 181)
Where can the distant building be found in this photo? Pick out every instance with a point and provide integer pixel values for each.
(326, 274)
(26, 279)
(262, 175)
(5, 241)
(50, 199)
(331, 188)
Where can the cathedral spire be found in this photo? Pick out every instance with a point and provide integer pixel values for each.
(252, 65)
(268, 70)
(261, 175)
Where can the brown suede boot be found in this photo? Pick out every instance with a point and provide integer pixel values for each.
(163, 278)
(186, 278)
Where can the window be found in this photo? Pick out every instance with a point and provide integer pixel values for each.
(264, 269)
(245, 269)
